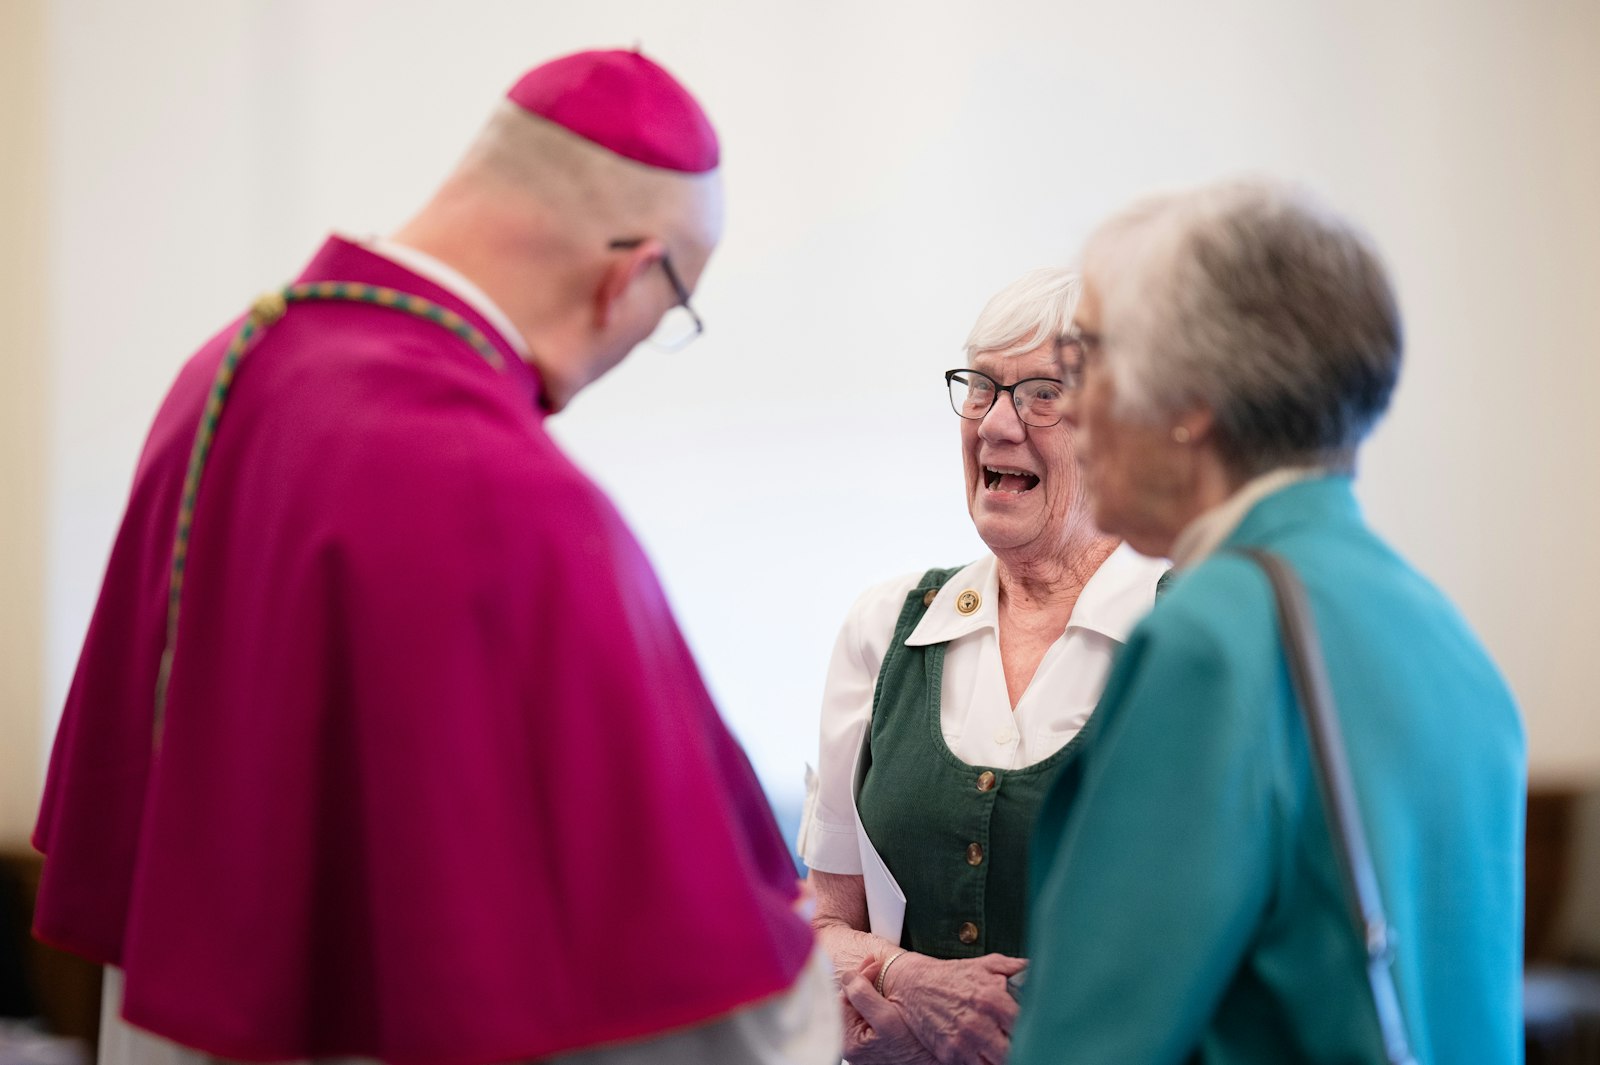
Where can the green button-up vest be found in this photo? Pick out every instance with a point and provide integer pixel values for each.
(954, 835)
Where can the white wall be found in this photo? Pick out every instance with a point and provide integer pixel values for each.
(889, 166)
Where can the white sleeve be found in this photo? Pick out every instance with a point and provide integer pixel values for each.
(828, 834)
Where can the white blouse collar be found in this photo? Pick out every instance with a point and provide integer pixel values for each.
(1112, 602)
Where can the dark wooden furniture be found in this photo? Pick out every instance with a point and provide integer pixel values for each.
(36, 980)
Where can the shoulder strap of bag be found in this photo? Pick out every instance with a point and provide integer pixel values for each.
(1315, 695)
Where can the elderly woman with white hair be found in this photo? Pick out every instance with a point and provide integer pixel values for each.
(952, 697)
(1193, 889)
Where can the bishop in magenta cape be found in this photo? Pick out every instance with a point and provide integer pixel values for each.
(439, 782)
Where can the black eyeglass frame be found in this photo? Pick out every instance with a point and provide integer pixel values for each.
(678, 289)
(949, 380)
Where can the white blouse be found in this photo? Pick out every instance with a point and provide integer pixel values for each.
(975, 712)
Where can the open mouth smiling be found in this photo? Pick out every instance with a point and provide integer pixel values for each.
(1001, 479)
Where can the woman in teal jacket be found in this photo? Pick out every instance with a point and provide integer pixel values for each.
(1232, 347)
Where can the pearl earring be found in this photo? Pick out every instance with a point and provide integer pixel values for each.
(1180, 434)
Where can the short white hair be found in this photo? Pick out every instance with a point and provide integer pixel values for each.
(592, 190)
(1035, 308)
(1253, 300)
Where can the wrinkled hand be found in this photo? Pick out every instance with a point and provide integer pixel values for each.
(875, 1030)
(959, 1009)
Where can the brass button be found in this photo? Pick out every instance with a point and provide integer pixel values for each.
(929, 596)
(974, 854)
(986, 781)
(968, 602)
(968, 933)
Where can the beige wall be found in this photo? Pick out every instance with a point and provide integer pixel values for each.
(872, 208)
(23, 406)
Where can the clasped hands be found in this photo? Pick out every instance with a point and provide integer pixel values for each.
(955, 1012)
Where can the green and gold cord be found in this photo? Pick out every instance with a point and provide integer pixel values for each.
(267, 310)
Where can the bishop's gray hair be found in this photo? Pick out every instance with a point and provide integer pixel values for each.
(1035, 308)
(1254, 301)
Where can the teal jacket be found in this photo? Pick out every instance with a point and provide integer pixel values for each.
(1185, 902)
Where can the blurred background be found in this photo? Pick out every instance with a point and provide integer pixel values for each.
(889, 166)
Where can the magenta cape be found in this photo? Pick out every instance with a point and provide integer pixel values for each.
(439, 781)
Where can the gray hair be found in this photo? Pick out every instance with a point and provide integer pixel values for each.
(1034, 308)
(1254, 301)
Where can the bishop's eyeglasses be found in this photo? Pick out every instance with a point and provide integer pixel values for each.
(680, 324)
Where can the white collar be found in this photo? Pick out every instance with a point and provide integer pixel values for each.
(943, 622)
(1119, 594)
(1111, 603)
(1205, 533)
(452, 281)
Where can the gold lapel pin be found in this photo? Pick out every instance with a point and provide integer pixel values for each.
(968, 602)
